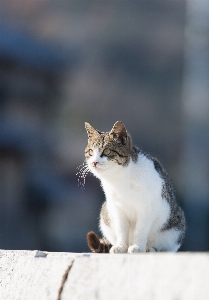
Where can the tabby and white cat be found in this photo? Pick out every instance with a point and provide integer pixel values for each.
(140, 213)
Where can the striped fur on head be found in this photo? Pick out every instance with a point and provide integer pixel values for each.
(118, 141)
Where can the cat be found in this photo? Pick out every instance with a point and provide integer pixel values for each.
(140, 213)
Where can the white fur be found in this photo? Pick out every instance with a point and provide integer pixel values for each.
(135, 206)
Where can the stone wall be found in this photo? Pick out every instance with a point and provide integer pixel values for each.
(37, 275)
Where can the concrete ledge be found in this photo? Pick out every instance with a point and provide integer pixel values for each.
(40, 275)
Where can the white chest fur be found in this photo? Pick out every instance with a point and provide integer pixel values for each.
(136, 190)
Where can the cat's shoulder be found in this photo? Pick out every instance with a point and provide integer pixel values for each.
(138, 155)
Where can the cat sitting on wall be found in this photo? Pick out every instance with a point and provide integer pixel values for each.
(140, 213)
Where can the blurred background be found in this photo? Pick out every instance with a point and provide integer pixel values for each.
(65, 62)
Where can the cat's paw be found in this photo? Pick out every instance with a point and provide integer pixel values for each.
(134, 249)
(118, 249)
(151, 249)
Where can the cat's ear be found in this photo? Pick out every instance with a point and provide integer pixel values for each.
(119, 132)
(92, 133)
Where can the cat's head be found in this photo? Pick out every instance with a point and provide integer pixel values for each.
(107, 151)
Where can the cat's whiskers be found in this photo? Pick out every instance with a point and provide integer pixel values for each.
(82, 173)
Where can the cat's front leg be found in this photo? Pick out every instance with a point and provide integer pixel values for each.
(121, 245)
(121, 228)
(139, 239)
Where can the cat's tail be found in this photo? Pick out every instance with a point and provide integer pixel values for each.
(96, 244)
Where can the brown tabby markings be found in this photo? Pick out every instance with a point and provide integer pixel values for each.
(120, 145)
(118, 141)
(104, 214)
(96, 244)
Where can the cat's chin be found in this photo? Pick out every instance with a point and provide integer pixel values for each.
(98, 171)
(102, 171)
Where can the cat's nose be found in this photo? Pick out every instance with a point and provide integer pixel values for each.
(94, 163)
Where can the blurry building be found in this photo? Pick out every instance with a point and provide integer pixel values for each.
(30, 182)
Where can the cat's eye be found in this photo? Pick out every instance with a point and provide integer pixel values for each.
(91, 152)
(106, 151)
